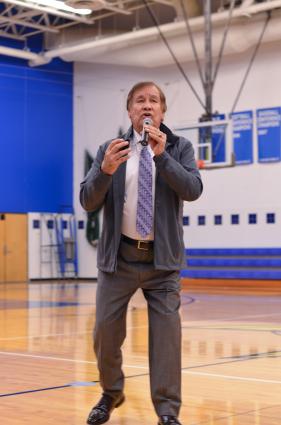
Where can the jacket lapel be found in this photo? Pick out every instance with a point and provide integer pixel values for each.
(119, 178)
(118, 181)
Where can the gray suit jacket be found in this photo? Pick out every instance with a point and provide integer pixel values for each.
(177, 180)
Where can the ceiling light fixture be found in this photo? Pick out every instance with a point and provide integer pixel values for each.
(60, 5)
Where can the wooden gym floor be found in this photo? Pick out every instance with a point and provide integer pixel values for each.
(231, 356)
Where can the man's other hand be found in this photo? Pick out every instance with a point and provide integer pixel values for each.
(116, 153)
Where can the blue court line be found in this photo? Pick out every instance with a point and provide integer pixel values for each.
(83, 384)
(20, 304)
(72, 384)
(42, 304)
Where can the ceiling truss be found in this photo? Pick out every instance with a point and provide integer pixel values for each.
(20, 19)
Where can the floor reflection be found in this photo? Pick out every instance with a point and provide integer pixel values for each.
(231, 357)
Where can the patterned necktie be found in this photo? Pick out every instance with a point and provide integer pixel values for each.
(144, 207)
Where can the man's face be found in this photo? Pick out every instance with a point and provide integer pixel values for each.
(145, 103)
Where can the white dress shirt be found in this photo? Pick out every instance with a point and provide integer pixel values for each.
(131, 190)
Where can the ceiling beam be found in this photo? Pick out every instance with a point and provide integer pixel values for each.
(12, 36)
(13, 21)
(247, 3)
(166, 2)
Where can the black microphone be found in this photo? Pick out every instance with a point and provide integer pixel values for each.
(144, 139)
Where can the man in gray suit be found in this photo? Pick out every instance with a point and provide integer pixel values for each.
(141, 180)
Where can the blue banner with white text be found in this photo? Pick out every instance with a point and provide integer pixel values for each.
(269, 134)
(242, 131)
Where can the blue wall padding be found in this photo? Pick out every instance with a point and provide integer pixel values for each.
(233, 274)
(205, 252)
(36, 136)
(219, 263)
(238, 262)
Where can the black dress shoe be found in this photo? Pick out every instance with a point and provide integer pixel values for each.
(100, 413)
(168, 420)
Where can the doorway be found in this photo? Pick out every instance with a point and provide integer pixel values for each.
(13, 247)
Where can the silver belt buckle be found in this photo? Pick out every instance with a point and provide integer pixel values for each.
(140, 247)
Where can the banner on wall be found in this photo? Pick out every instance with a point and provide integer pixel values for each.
(269, 134)
(242, 133)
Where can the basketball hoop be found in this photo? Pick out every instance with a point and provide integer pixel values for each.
(206, 147)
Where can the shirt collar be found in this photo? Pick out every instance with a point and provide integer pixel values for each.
(136, 137)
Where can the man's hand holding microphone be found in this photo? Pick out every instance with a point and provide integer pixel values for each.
(119, 149)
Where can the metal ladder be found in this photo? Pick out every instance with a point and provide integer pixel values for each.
(67, 245)
(48, 245)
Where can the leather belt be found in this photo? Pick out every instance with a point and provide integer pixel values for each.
(143, 245)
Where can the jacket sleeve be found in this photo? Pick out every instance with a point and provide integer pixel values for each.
(94, 187)
(183, 175)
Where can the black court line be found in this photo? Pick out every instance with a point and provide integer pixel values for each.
(220, 363)
(129, 376)
(36, 391)
(256, 355)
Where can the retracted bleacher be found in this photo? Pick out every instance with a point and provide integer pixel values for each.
(233, 263)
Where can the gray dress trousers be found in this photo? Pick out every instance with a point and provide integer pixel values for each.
(161, 290)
